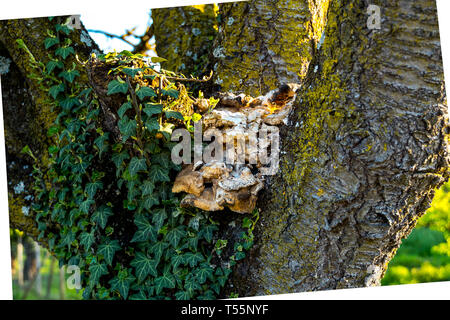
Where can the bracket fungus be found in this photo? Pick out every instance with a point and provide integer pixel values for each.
(234, 180)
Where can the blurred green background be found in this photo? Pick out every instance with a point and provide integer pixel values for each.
(423, 257)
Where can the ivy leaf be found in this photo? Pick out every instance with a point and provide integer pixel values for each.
(152, 124)
(149, 201)
(101, 216)
(193, 242)
(174, 114)
(52, 64)
(69, 75)
(132, 72)
(55, 90)
(127, 127)
(139, 296)
(145, 230)
(85, 205)
(87, 239)
(177, 260)
(193, 258)
(100, 142)
(126, 106)
(158, 218)
(205, 271)
(183, 295)
(158, 174)
(133, 192)
(191, 284)
(158, 249)
(136, 165)
(92, 187)
(208, 231)
(108, 250)
(152, 108)
(122, 285)
(171, 93)
(147, 187)
(239, 255)
(165, 281)
(116, 86)
(118, 158)
(175, 235)
(162, 158)
(74, 213)
(67, 239)
(68, 103)
(144, 266)
(51, 41)
(144, 92)
(63, 28)
(96, 271)
(207, 295)
(64, 52)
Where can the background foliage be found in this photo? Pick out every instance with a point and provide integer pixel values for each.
(425, 255)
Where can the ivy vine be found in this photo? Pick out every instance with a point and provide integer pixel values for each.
(92, 189)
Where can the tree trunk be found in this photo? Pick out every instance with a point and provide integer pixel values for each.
(368, 150)
(364, 148)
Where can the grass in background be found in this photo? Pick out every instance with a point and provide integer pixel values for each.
(425, 255)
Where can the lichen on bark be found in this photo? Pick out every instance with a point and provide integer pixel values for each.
(27, 110)
(264, 43)
(184, 36)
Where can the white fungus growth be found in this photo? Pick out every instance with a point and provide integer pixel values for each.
(25, 210)
(219, 52)
(230, 21)
(196, 31)
(4, 65)
(19, 188)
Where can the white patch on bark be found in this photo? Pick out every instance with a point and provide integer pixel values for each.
(4, 65)
(85, 38)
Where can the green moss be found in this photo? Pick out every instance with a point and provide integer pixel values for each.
(184, 37)
(257, 53)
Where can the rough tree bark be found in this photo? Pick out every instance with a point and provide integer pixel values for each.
(370, 140)
(187, 34)
(364, 148)
(26, 112)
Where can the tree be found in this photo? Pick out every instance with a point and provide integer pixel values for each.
(363, 151)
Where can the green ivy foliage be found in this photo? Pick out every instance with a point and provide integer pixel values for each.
(106, 205)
